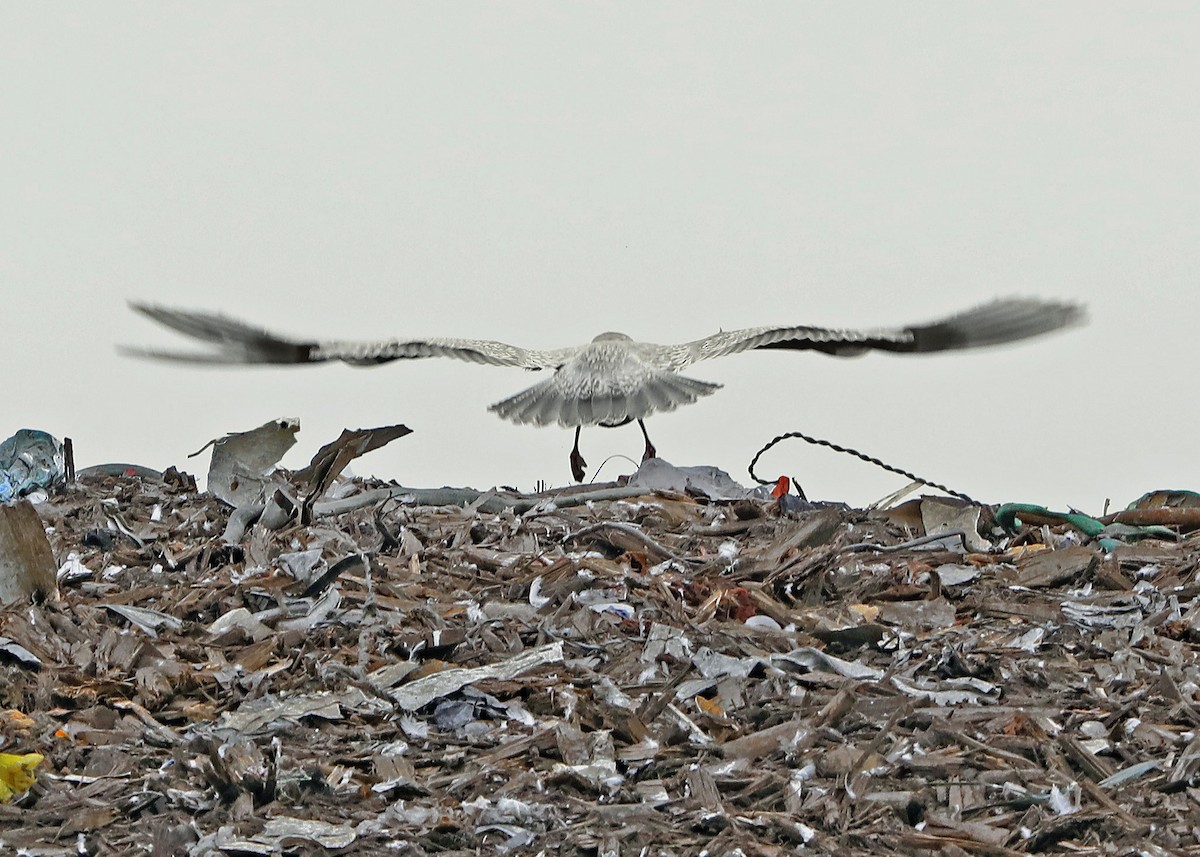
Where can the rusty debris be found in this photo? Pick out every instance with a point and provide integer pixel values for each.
(639, 669)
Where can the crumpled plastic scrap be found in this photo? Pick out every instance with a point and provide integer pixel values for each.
(29, 460)
(16, 773)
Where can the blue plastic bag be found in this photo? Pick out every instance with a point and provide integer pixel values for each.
(29, 460)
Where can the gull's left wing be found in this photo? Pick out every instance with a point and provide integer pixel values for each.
(239, 343)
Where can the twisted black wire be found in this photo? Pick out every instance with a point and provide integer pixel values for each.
(860, 455)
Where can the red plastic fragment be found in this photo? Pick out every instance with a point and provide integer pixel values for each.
(781, 487)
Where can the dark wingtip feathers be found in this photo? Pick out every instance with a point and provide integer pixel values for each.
(1004, 320)
(235, 341)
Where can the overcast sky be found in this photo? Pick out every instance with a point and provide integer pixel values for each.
(541, 172)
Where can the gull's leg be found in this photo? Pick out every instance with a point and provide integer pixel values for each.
(577, 462)
(650, 452)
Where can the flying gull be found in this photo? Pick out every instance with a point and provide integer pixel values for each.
(613, 380)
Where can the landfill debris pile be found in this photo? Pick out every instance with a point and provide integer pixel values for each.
(604, 670)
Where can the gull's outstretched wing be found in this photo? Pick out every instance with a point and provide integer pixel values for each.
(237, 343)
(1004, 320)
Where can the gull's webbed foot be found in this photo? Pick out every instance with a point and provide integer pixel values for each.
(577, 462)
(650, 452)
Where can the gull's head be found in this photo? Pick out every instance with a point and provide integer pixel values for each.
(612, 337)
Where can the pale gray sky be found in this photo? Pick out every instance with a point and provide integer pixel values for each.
(539, 173)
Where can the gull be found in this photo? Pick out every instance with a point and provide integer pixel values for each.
(612, 380)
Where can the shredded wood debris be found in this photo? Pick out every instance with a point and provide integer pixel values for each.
(611, 671)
